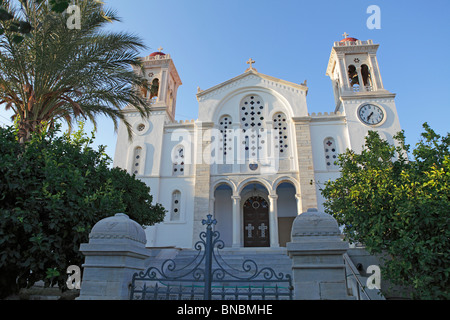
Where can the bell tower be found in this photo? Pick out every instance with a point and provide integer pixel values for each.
(359, 91)
(142, 156)
(163, 78)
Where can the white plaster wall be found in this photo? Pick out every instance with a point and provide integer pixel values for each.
(174, 233)
(321, 130)
(358, 131)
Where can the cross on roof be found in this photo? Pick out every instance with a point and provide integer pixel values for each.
(345, 35)
(250, 62)
(160, 49)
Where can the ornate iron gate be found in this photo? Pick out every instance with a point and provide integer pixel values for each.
(198, 280)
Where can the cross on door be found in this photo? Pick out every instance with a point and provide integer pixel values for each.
(249, 229)
(263, 229)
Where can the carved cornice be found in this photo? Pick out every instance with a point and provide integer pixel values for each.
(109, 236)
(368, 96)
(320, 117)
(247, 76)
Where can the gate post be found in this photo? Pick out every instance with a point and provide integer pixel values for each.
(208, 256)
(116, 250)
(317, 251)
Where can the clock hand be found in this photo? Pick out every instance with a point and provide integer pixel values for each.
(369, 116)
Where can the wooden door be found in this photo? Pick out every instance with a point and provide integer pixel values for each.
(256, 222)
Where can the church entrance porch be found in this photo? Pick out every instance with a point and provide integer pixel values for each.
(255, 215)
(256, 222)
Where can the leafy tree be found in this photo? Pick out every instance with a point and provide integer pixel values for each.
(399, 209)
(61, 74)
(53, 189)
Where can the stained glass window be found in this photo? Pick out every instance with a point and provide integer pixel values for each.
(280, 134)
(331, 153)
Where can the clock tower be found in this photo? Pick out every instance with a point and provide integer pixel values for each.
(359, 92)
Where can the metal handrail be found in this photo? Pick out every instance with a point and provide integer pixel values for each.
(350, 264)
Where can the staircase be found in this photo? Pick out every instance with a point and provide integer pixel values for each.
(245, 263)
(236, 274)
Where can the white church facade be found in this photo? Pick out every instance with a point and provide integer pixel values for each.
(250, 157)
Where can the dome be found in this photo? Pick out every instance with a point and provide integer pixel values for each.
(118, 227)
(314, 223)
(349, 39)
(157, 53)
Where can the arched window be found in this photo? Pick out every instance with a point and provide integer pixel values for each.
(252, 124)
(365, 73)
(281, 137)
(331, 153)
(175, 213)
(353, 76)
(144, 90)
(226, 140)
(178, 161)
(137, 155)
(154, 89)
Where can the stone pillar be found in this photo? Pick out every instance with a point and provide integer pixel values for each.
(316, 251)
(298, 198)
(202, 176)
(116, 250)
(236, 222)
(273, 221)
(305, 164)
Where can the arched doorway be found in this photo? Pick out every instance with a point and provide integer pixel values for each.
(223, 208)
(256, 222)
(287, 210)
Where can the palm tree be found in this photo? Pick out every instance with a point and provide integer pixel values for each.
(60, 74)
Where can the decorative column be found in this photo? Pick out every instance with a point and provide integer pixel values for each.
(273, 220)
(375, 70)
(298, 198)
(343, 72)
(236, 221)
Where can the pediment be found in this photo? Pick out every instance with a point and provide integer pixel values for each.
(247, 76)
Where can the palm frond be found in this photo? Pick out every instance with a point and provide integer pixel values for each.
(62, 74)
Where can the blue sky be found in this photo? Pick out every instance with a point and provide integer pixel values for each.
(211, 40)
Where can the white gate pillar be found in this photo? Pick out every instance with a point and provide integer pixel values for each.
(317, 251)
(116, 250)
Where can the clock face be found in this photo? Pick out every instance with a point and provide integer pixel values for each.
(371, 114)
